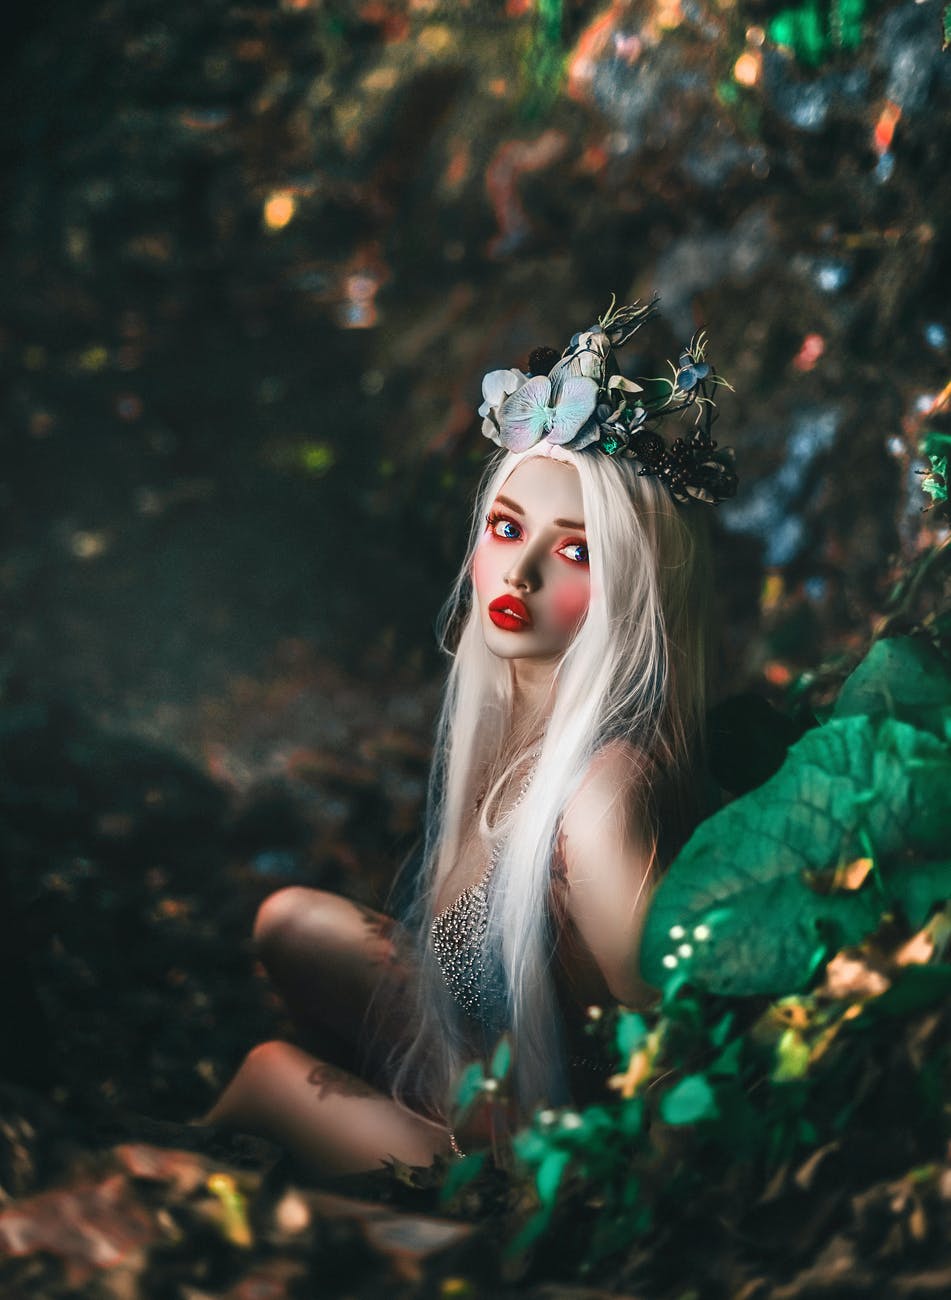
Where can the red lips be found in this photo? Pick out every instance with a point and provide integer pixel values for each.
(510, 613)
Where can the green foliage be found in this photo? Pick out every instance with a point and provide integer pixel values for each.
(690, 1100)
(631, 1033)
(900, 677)
(873, 783)
(543, 63)
(477, 1086)
(462, 1173)
(815, 29)
(853, 787)
(469, 1089)
(934, 445)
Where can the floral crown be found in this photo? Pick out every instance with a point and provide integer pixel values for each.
(569, 402)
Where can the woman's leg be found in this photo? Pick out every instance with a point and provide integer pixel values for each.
(332, 960)
(330, 1121)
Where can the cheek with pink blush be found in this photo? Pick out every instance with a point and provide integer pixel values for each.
(569, 606)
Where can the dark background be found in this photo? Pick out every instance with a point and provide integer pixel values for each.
(255, 261)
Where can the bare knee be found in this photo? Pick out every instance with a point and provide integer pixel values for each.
(246, 1102)
(266, 1058)
(283, 911)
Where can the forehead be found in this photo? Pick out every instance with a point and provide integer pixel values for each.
(546, 488)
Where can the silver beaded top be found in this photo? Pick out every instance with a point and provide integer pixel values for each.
(458, 935)
(476, 982)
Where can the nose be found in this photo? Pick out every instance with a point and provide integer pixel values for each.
(522, 575)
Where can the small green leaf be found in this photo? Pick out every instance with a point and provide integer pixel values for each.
(531, 1146)
(501, 1058)
(631, 1033)
(935, 481)
(461, 1173)
(469, 1086)
(671, 986)
(806, 1132)
(549, 1175)
(631, 1117)
(690, 1100)
(728, 1062)
(792, 1057)
(532, 1230)
(721, 1030)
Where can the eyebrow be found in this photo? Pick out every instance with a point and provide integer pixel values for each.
(559, 523)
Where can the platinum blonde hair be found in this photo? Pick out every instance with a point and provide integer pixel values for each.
(635, 669)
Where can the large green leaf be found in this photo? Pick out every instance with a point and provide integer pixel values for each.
(900, 677)
(918, 886)
(740, 910)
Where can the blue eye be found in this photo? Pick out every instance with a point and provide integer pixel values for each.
(582, 552)
(509, 531)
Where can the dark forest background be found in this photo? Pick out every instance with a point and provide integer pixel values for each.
(255, 259)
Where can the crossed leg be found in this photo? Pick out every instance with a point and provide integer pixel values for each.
(332, 961)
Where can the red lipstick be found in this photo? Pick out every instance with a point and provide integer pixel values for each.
(510, 613)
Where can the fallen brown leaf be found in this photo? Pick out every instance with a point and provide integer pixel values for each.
(88, 1226)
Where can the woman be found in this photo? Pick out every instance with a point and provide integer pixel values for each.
(563, 776)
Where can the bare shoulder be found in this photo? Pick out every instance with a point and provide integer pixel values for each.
(612, 784)
(607, 863)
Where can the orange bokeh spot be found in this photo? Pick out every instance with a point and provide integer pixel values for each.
(888, 119)
(747, 68)
(279, 209)
(777, 674)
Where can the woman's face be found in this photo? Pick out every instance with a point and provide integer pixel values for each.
(530, 570)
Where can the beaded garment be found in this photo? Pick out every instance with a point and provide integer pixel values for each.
(458, 936)
(476, 982)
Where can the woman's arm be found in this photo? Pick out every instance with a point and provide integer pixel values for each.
(607, 861)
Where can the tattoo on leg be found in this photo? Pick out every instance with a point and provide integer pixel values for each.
(329, 1079)
(394, 942)
(380, 926)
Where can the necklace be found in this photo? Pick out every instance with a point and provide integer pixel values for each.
(480, 799)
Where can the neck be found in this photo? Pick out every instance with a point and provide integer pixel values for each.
(532, 692)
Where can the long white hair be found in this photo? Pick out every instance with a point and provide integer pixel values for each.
(635, 669)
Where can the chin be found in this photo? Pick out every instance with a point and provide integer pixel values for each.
(510, 646)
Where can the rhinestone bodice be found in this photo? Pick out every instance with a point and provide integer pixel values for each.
(458, 937)
(458, 933)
